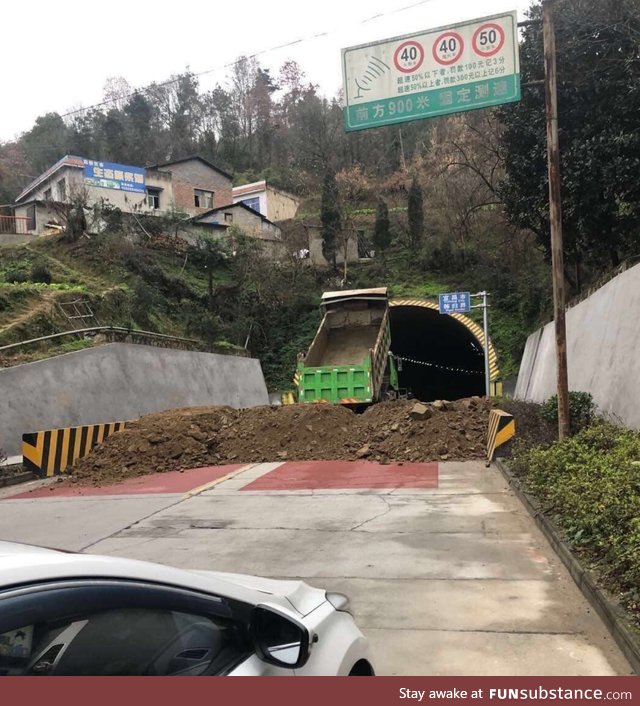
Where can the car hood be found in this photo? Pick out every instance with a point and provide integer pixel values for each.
(303, 598)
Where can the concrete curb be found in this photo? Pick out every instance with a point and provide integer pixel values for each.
(611, 614)
(15, 479)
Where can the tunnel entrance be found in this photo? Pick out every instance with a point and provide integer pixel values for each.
(423, 334)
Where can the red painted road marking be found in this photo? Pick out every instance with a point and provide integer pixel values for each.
(334, 475)
(171, 482)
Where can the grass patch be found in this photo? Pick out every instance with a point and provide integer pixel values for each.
(43, 287)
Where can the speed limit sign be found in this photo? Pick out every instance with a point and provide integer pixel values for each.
(448, 48)
(432, 72)
(408, 57)
(488, 39)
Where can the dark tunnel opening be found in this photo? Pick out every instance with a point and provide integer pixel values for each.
(425, 335)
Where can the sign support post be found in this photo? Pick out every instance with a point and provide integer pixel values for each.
(485, 320)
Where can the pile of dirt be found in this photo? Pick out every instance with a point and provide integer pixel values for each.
(390, 431)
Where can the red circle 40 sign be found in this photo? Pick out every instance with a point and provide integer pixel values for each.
(488, 39)
(408, 57)
(448, 48)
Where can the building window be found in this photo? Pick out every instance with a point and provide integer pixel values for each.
(62, 190)
(253, 203)
(47, 195)
(365, 246)
(153, 198)
(228, 217)
(203, 199)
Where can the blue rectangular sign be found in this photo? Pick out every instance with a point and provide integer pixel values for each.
(108, 175)
(455, 302)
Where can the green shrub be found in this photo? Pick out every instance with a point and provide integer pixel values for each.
(145, 299)
(112, 217)
(532, 427)
(590, 485)
(202, 324)
(16, 277)
(40, 273)
(582, 410)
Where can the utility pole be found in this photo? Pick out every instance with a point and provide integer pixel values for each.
(555, 216)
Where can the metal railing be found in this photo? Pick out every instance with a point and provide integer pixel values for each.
(119, 333)
(14, 225)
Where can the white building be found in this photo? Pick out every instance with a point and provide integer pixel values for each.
(272, 203)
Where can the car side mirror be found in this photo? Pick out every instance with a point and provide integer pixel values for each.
(279, 639)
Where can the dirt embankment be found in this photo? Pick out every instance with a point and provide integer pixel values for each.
(390, 431)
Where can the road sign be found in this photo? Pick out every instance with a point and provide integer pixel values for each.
(455, 302)
(447, 70)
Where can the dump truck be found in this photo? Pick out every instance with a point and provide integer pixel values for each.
(349, 361)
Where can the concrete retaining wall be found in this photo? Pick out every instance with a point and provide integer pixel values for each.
(120, 381)
(603, 344)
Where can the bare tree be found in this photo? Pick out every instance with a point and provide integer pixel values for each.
(72, 212)
(354, 187)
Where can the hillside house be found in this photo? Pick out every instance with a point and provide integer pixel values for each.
(273, 203)
(250, 221)
(192, 185)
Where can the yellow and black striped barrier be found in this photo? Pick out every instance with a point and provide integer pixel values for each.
(502, 427)
(51, 452)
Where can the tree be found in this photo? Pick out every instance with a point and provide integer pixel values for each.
(353, 189)
(598, 55)
(46, 142)
(415, 213)
(382, 229)
(14, 171)
(261, 105)
(185, 115)
(330, 217)
(72, 212)
(140, 121)
(212, 255)
(116, 90)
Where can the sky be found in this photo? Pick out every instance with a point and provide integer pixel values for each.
(64, 51)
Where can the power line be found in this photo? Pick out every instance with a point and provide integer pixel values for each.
(262, 52)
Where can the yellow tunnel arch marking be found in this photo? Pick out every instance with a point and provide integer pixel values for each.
(472, 326)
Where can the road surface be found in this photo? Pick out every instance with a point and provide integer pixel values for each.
(447, 573)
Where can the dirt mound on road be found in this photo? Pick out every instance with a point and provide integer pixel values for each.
(188, 438)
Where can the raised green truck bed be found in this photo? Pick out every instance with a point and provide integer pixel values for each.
(349, 361)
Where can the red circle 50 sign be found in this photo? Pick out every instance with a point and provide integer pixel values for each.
(488, 39)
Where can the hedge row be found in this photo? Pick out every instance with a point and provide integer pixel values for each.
(589, 485)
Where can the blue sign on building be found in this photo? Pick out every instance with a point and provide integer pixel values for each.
(114, 176)
(455, 302)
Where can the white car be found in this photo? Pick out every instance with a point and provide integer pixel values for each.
(78, 614)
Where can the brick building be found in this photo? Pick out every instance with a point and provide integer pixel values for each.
(198, 185)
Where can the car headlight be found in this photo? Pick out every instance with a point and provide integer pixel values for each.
(339, 601)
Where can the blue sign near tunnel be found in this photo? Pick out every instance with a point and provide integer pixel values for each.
(454, 302)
